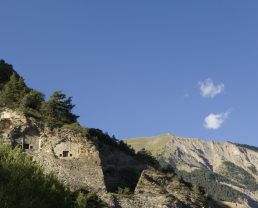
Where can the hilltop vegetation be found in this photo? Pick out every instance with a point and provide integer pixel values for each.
(15, 94)
(5, 73)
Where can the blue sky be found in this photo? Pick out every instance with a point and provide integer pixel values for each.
(135, 68)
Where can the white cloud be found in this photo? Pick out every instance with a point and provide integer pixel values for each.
(209, 89)
(215, 121)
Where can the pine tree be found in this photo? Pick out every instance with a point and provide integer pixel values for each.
(6, 71)
(57, 110)
(32, 102)
(13, 92)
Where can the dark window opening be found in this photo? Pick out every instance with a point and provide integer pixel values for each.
(71, 155)
(26, 146)
(60, 155)
(65, 153)
(31, 147)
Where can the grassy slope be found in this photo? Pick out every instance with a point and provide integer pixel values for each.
(153, 144)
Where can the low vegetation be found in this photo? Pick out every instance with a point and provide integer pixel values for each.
(240, 176)
(246, 146)
(23, 184)
(15, 94)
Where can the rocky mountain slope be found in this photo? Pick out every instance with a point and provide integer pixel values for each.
(227, 171)
(82, 164)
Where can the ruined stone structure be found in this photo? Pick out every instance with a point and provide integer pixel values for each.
(67, 150)
(74, 159)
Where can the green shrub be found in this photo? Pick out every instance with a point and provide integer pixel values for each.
(124, 191)
(85, 199)
(81, 201)
(23, 184)
(78, 128)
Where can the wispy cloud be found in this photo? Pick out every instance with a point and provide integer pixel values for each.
(215, 121)
(209, 89)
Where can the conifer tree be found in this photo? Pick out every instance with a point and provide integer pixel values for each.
(57, 110)
(32, 102)
(6, 71)
(13, 92)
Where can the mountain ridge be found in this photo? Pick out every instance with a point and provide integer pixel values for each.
(233, 166)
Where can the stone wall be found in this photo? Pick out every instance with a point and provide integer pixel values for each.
(81, 167)
(67, 150)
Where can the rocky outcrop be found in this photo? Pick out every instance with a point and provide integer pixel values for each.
(71, 156)
(158, 190)
(164, 191)
(75, 160)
